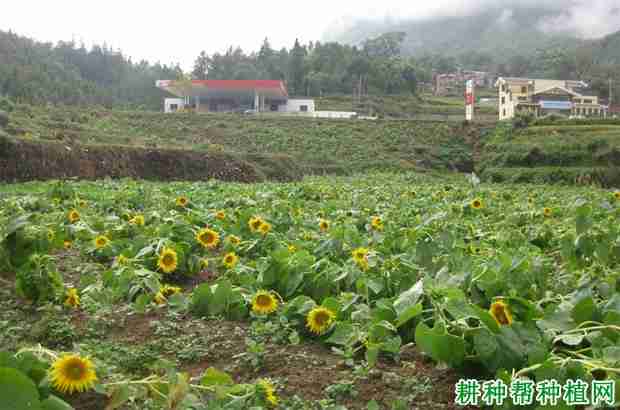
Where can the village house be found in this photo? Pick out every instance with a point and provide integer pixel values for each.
(454, 83)
(544, 97)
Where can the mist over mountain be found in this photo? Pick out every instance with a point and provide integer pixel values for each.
(500, 28)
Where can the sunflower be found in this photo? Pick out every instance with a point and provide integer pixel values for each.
(264, 228)
(101, 241)
(208, 238)
(82, 203)
(204, 263)
(221, 215)
(617, 195)
(182, 201)
(266, 389)
(72, 373)
(292, 248)
(167, 261)
(254, 223)
(501, 313)
(319, 319)
(165, 292)
(233, 240)
(547, 212)
(73, 299)
(377, 223)
(323, 225)
(360, 256)
(477, 203)
(122, 260)
(264, 302)
(73, 216)
(67, 244)
(230, 260)
(50, 235)
(137, 220)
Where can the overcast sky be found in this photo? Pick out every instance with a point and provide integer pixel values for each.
(176, 31)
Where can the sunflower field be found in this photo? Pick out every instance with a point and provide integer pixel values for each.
(370, 292)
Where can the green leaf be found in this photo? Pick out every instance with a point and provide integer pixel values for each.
(584, 310)
(344, 334)
(440, 346)
(17, 391)
(55, 403)
(409, 314)
(408, 298)
(214, 377)
(372, 354)
(219, 303)
(119, 396)
(373, 405)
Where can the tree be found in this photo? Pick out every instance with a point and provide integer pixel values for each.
(201, 66)
(296, 78)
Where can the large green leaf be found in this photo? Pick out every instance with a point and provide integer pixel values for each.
(17, 391)
(55, 403)
(439, 345)
(214, 377)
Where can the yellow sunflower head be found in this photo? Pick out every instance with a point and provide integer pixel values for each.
(122, 260)
(165, 292)
(267, 392)
(477, 203)
(377, 223)
(547, 212)
(323, 225)
(319, 320)
(73, 216)
(72, 373)
(617, 195)
(67, 244)
(50, 235)
(501, 313)
(137, 220)
(168, 260)
(72, 298)
(82, 203)
(254, 223)
(208, 238)
(264, 302)
(264, 228)
(360, 254)
(101, 241)
(204, 263)
(292, 248)
(221, 215)
(182, 201)
(233, 240)
(230, 260)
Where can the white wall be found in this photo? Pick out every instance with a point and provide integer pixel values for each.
(294, 105)
(168, 102)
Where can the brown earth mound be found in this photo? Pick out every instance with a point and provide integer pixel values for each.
(29, 160)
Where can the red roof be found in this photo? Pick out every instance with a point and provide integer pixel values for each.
(240, 84)
(275, 87)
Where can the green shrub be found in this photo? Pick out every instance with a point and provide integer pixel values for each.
(38, 280)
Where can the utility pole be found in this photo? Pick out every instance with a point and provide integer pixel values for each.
(611, 98)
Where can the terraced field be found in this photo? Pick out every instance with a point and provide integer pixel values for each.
(378, 291)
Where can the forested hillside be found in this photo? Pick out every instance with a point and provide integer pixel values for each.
(37, 72)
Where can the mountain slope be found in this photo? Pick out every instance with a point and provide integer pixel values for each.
(501, 32)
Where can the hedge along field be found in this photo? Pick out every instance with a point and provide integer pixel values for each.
(323, 294)
(549, 152)
(317, 146)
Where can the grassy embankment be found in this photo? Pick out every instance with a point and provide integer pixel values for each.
(554, 152)
(310, 145)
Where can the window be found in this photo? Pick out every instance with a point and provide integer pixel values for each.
(503, 100)
(274, 107)
(522, 98)
(587, 101)
(501, 87)
(504, 112)
(303, 108)
(523, 90)
(174, 107)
